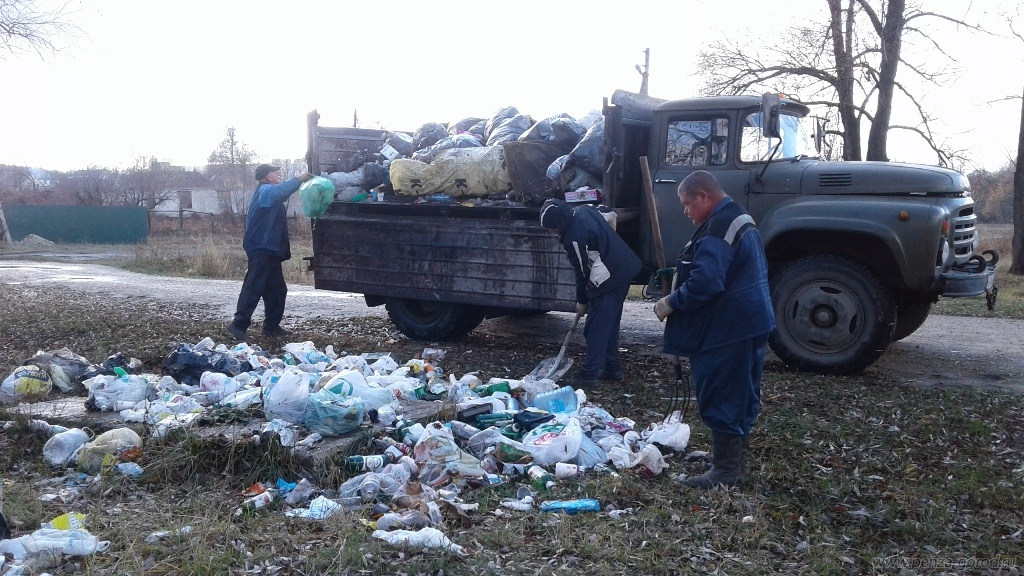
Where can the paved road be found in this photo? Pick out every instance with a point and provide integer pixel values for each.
(946, 351)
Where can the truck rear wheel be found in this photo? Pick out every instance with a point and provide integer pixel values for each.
(910, 315)
(433, 321)
(833, 315)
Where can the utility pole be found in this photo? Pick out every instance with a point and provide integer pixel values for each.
(645, 71)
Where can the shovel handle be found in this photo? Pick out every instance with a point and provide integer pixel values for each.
(568, 336)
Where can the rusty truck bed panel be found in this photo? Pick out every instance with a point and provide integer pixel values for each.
(495, 257)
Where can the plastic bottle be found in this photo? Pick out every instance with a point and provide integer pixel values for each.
(541, 478)
(366, 463)
(59, 449)
(369, 488)
(463, 430)
(557, 401)
(258, 501)
(439, 198)
(571, 506)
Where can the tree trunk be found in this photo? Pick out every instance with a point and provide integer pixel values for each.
(842, 40)
(1017, 265)
(891, 38)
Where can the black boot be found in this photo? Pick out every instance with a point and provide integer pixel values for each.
(726, 463)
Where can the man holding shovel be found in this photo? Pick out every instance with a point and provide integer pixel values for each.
(719, 315)
(605, 267)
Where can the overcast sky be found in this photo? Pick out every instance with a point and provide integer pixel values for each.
(165, 79)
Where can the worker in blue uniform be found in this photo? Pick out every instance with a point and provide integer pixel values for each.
(266, 247)
(605, 267)
(719, 315)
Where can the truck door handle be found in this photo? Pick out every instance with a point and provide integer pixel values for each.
(660, 181)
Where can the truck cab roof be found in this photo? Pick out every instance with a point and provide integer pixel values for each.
(719, 103)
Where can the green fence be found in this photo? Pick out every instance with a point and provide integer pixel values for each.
(79, 224)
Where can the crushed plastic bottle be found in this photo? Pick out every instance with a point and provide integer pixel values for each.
(562, 400)
(258, 501)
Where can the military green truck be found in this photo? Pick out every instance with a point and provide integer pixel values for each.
(858, 251)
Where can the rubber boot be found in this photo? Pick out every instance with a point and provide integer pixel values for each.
(726, 463)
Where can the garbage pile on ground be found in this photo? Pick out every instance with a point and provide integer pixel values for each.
(504, 430)
(507, 159)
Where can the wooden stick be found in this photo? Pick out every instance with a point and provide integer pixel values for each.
(652, 213)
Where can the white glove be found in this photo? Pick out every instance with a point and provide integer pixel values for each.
(662, 309)
(581, 308)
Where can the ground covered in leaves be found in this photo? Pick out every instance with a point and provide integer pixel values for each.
(847, 475)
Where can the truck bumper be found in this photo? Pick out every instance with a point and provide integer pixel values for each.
(960, 283)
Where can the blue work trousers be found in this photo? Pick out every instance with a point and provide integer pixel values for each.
(604, 313)
(727, 382)
(264, 279)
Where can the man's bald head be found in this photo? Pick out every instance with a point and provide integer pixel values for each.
(702, 181)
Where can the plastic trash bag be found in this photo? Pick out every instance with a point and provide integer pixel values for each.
(422, 538)
(317, 194)
(588, 154)
(187, 364)
(458, 141)
(649, 458)
(353, 383)
(77, 542)
(27, 379)
(375, 175)
(401, 142)
(107, 448)
(590, 454)
(116, 393)
(463, 126)
(457, 172)
(671, 433)
(509, 130)
(497, 118)
(555, 441)
(285, 393)
(346, 179)
(331, 414)
(427, 135)
(71, 365)
(436, 445)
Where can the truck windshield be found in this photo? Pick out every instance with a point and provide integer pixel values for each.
(797, 138)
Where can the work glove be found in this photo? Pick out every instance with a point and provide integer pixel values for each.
(662, 309)
(305, 177)
(581, 308)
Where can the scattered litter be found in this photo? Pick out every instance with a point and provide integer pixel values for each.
(164, 534)
(422, 538)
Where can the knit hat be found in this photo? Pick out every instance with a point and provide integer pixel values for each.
(555, 213)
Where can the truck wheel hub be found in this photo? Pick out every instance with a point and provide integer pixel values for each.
(824, 316)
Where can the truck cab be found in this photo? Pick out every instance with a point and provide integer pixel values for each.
(857, 251)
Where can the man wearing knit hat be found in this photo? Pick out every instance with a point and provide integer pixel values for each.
(605, 267)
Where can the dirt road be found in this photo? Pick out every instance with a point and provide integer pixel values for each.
(946, 351)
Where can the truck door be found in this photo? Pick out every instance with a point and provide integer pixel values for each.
(768, 182)
(689, 142)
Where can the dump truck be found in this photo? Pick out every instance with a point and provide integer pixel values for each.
(858, 252)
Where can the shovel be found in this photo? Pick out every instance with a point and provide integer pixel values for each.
(554, 368)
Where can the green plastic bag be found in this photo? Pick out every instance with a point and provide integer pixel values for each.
(317, 194)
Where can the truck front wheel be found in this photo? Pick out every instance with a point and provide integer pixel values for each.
(433, 321)
(833, 316)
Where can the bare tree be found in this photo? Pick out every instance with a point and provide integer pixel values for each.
(1017, 244)
(231, 168)
(25, 25)
(847, 64)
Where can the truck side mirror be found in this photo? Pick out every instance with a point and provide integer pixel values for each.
(770, 105)
(819, 133)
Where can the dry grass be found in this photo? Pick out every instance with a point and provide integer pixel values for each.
(846, 474)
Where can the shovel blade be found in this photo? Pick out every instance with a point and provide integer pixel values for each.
(550, 369)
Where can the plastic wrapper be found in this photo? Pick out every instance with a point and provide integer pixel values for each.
(509, 130)
(458, 141)
(457, 172)
(427, 135)
(331, 414)
(671, 433)
(317, 194)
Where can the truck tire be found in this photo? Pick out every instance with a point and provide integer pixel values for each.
(910, 315)
(432, 321)
(833, 316)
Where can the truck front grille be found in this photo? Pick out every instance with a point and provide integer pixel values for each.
(964, 230)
